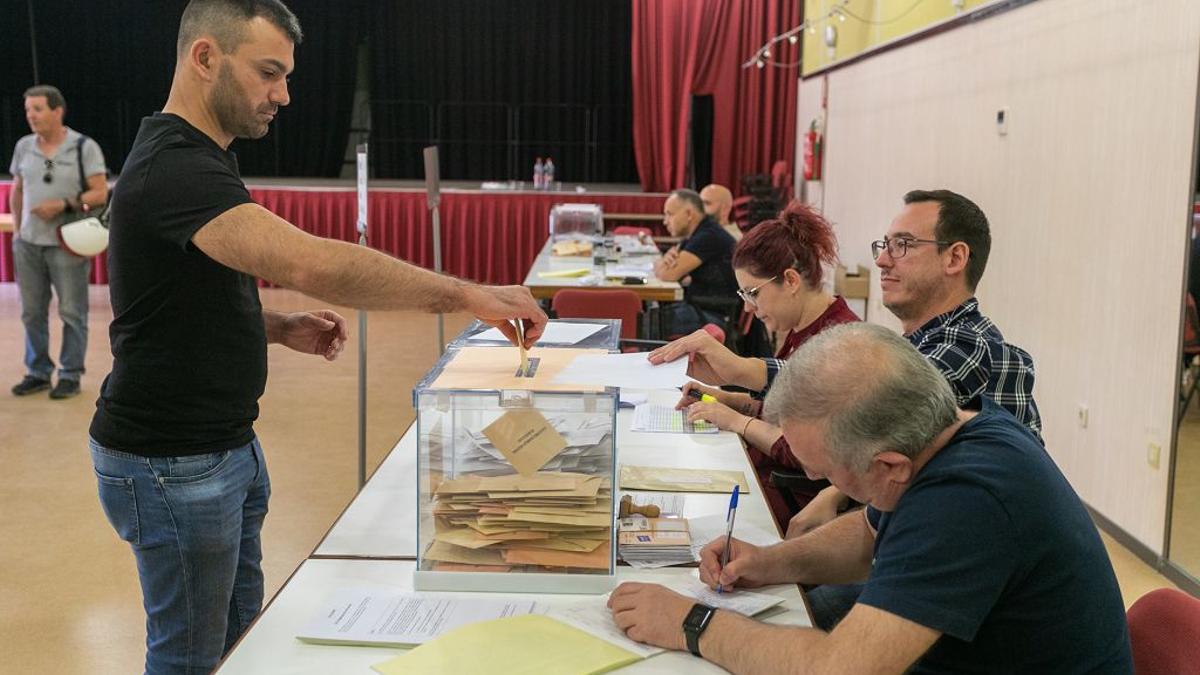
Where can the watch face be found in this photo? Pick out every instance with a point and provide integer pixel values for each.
(696, 617)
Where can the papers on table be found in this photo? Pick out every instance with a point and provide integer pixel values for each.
(498, 523)
(666, 479)
(595, 617)
(623, 370)
(632, 245)
(521, 644)
(557, 333)
(654, 542)
(704, 529)
(386, 617)
(654, 417)
(628, 270)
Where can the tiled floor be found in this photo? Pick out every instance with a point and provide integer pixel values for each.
(69, 597)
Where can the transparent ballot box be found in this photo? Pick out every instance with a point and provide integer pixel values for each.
(515, 474)
(578, 333)
(576, 220)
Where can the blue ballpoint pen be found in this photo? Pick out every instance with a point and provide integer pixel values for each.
(729, 529)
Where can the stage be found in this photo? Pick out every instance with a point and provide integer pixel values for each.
(490, 236)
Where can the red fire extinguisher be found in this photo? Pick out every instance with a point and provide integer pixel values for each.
(813, 150)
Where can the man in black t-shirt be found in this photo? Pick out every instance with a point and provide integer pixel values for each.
(977, 554)
(701, 263)
(181, 475)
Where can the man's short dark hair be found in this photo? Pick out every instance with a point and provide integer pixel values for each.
(691, 198)
(226, 21)
(959, 219)
(54, 97)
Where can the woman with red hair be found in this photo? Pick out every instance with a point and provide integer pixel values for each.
(778, 266)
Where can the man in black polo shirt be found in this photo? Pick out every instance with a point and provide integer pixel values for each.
(181, 474)
(977, 554)
(701, 263)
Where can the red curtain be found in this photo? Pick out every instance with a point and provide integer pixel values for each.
(490, 237)
(683, 48)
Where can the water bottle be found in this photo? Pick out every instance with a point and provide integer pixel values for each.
(548, 174)
(539, 174)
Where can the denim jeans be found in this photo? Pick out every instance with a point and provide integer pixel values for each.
(194, 523)
(830, 603)
(40, 268)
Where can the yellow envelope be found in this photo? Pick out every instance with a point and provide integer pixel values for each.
(526, 439)
(664, 479)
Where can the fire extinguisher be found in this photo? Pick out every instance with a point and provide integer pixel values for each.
(813, 151)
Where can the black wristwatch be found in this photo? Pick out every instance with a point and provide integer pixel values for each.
(693, 626)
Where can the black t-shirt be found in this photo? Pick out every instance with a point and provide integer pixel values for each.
(188, 342)
(714, 247)
(992, 547)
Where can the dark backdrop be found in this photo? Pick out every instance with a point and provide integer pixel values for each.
(497, 84)
(493, 83)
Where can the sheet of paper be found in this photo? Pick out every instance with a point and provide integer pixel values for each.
(706, 528)
(525, 439)
(517, 645)
(669, 479)
(742, 602)
(387, 617)
(656, 418)
(623, 370)
(557, 333)
(595, 618)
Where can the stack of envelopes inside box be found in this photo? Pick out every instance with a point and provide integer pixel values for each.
(518, 523)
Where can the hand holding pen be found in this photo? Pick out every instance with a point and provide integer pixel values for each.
(729, 518)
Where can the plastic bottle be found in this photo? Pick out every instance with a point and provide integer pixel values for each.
(539, 174)
(548, 174)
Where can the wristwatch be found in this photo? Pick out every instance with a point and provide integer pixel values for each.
(694, 624)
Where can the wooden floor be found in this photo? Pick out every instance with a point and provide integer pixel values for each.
(69, 597)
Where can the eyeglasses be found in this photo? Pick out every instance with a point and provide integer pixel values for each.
(750, 295)
(48, 177)
(897, 247)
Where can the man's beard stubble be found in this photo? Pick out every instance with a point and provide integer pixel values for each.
(228, 102)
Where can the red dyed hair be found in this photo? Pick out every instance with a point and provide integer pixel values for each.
(799, 238)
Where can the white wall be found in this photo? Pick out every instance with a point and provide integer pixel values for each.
(1088, 195)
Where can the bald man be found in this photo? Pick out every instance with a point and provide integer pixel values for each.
(718, 203)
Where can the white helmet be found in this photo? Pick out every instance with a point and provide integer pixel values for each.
(85, 238)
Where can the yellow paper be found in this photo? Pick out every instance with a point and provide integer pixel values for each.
(665, 479)
(530, 644)
(565, 274)
(526, 439)
(492, 368)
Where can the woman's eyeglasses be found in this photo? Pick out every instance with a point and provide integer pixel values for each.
(750, 295)
(48, 177)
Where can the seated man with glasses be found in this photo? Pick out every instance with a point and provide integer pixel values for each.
(778, 266)
(930, 262)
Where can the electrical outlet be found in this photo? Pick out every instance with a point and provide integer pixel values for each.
(1153, 450)
(1083, 415)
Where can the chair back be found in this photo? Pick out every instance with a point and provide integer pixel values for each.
(633, 230)
(1191, 326)
(617, 303)
(1164, 631)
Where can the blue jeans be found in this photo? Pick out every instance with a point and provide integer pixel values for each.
(40, 268)
(830, 603)
(194, 524)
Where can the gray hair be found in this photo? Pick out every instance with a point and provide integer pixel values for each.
(689, 197)
(871, 389)
(225, 21)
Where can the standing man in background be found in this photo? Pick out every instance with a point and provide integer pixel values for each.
(48, 192)
(181, 474)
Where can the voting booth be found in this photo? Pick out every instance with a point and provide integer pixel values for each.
(515, 470)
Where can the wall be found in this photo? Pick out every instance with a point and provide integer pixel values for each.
(1089, 198)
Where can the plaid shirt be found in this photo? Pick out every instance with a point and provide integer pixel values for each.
(970, 351)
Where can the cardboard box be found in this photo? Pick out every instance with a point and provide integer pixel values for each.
(853, 283)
